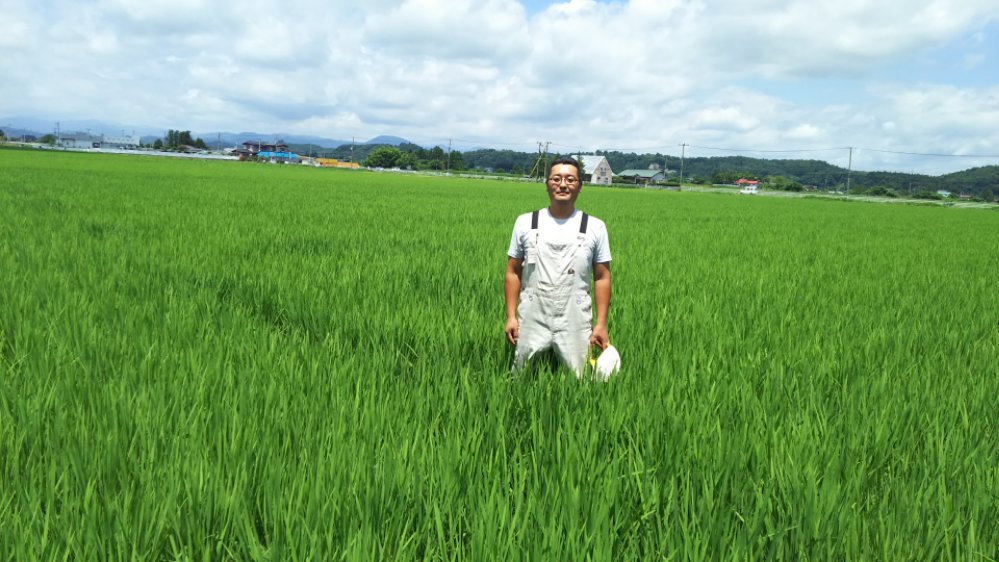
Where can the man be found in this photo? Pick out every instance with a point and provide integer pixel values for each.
(553, 254)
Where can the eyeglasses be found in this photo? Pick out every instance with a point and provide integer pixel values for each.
(569, 180)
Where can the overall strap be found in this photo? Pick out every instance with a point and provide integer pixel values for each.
(582, 223)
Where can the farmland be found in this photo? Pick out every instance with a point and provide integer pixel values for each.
(214, 360)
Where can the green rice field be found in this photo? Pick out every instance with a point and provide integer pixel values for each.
(205, 360)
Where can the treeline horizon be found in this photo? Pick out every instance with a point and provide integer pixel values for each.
(807, 174)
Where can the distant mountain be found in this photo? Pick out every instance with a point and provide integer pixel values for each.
(723, 169)
(235, 139)
(975, 180)
(20, 125)
(388, 139)
(39, 127)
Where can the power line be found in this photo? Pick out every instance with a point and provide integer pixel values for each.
(575, 148)
(775, 151)
(849, 170)
(683, 154)
(427, 140)
(937, 155)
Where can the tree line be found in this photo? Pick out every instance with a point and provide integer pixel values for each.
(176, 139)
(782, 174)
(414, 157)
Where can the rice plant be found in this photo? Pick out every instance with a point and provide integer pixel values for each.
(230, 361)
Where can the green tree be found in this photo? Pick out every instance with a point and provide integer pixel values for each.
(48, 139)
(383, 157)
(987, 194)
(457, 162)
(728, 178)
(176, 139)
(436, 158)
(408, 161)
(158, 144)
(881, 191)
(927, 194)
(518, 163)
(783, 184)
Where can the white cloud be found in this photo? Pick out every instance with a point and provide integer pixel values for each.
(456, 30)
(932, 110)
(582, 73)
(725, 118)
(823, 36)
(805, 131)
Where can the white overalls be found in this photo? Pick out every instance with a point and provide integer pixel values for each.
(555, 306)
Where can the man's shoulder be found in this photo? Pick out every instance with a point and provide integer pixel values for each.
(596, 223)
(523, 221)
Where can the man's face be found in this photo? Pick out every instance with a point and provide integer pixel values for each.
(564, 184)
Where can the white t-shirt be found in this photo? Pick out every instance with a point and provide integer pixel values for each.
(557, 230)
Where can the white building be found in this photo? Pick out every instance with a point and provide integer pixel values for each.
(78, 140)
(596, 170)
(122, 141)
(87, 140)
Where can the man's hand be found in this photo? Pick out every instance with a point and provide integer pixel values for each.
(599, 337)
(512, 331)
(511, 292)
(601, 300)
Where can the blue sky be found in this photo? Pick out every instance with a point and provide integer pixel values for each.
(917, 76)
(534, 7)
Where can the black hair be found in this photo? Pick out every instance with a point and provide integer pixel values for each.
(569, 160)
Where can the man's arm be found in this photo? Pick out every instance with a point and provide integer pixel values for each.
(511, 290)
(601, 298)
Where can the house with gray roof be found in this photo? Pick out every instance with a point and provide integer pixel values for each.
(642, 176)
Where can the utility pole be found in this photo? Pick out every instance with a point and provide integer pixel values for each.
(351, 149)
(447, 167)
(683, 155)
(537, 162)
(544, 173)
(849, 169)
(541, 164)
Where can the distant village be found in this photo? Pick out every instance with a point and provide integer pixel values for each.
(972, 185)
(597, 170)
(257, 150)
